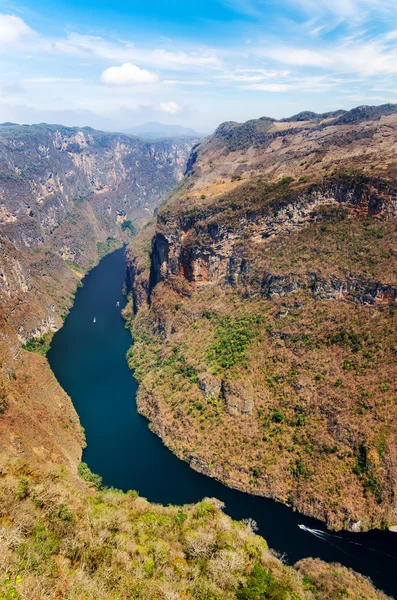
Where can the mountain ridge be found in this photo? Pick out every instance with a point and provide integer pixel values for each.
(67, 197)
(286, 236)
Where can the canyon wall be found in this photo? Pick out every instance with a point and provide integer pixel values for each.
(265, 305)
(67, 196)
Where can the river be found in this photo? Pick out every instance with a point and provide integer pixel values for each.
(88, 359)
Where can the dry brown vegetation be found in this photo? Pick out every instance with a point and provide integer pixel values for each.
(267, 354)
(57, 541)
(217, 364)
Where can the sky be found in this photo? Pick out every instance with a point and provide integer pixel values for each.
(116, 64)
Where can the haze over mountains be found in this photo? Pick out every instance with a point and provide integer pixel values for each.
(155, 130)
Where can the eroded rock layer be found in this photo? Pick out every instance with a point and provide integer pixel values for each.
(265, 330)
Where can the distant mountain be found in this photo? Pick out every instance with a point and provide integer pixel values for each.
(155, 130)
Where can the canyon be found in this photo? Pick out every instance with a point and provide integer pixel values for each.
(265, 306)
(67, 196)
(262, 291)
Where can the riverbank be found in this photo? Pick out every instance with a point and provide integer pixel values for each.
(263, 347)
(65, 542)
(89, 361)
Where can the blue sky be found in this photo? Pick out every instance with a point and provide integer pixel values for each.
(116, 64)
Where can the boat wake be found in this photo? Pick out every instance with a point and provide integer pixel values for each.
(329, 537)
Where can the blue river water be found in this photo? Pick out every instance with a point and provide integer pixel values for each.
(89, 361)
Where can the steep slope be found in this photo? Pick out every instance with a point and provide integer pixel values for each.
(265, 331)
(60, 542)
(67, 196)
(60, 536)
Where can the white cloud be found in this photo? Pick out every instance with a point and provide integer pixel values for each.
(296, 84)
(172, 108)
(88, 45)
(361, 99)
(349, 55)
(184, 82)
(271, 87)
(12, 29)
(298, 56)
(352, 10)
(51, 80)
(347, 9)
(251, 75)
(128, 74)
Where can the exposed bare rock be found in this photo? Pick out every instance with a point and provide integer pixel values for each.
(273, 269)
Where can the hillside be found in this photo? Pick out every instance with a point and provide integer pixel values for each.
(265, 296)
(67, 196)
(58, 541)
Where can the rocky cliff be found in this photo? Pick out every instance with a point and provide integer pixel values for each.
(67, 196)
(264, 336)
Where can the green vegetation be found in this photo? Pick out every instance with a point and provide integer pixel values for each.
(233, 339)
(3, 405)
(59, 540)
(127, 225)
(8, 586)
(75, 267)
(364, 470)
(40, 345)
(261, 585)
(91, 478)
(3, 397)
(107, 247)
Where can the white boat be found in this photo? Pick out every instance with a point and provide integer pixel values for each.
(118, 304)
(94, 319)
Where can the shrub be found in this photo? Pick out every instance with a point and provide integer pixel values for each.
(277, 416)
(39, 345)
(107, 247)
(128, 225)
(298, 468)
(181, 517)
(91, 478)
(22, 490)
(3, 403)
(8, 586)
(204, 509)
(261, 585)
(233, 339)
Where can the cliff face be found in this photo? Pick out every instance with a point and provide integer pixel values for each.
(67, 196)
(211, 246)
(264, 335)
(45, 166)
(63, 190)
(61, 536)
